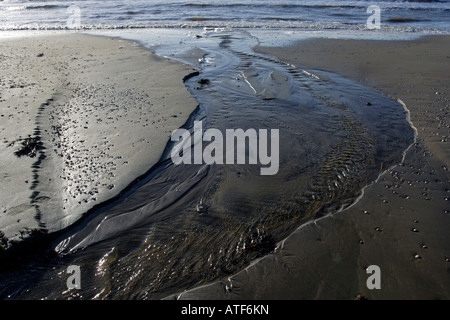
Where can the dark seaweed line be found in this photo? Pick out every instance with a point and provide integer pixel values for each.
(32, 240)
(37, 166)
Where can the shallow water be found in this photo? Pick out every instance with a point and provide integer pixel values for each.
(152, 242)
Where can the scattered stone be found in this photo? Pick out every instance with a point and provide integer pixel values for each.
(29, 147)
(260, 243)
(201, 207)
(368, 103)
(414, 230)
(40, 55)
(3, 241)
(203, 81)
(418, 257)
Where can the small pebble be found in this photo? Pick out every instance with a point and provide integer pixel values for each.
(417, 256)
(414, 230)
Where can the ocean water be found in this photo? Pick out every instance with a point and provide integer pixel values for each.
(400, 15)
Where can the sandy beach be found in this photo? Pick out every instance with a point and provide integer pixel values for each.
(401, 223)
(81, 118)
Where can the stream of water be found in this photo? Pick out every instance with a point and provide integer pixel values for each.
(335, 136)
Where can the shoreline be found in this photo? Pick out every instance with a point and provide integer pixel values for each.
(322, 259)
(400, 223)
(91, 122)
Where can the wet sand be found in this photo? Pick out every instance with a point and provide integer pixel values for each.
(401, 223)
(86, 116)
(91, 103)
